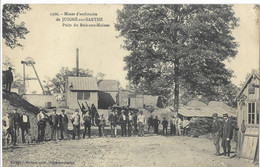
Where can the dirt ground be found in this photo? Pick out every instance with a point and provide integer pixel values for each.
(151, 150)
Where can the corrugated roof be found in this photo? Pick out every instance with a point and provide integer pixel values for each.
(83, 83)
(204, 111)
(108, 85)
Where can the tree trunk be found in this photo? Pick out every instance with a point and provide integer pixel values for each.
(176, 87)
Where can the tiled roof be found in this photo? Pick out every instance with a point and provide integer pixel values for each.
(83, 83)
(108, 85)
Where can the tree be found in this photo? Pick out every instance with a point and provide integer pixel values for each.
(191, 41)
(57, 85)
(11, 30)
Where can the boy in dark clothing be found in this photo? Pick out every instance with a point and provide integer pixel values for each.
(165, 125)
(156, 123)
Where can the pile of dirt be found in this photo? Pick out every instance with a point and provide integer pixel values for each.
(11, 101)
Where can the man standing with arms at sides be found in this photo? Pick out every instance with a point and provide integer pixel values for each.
(122, 121)
(173, 126)
(54, 125)
(25, 126)
(165, 125)
(227, 133)
(156, 123)
(113, 121)
(216, 132)
(87, 124)
(75, 120)
(41, 125)
(141, 122)
(130, 123)
(178, 124)
(64, 125)
(16, 124)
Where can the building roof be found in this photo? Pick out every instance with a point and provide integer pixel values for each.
(108, 85)
(82, 83)
(204, 111)
(253, 74)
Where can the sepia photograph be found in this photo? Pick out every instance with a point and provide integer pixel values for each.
(140, 85)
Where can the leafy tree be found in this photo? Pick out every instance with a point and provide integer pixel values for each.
(189, 41)
(57, 84)
(11, 30)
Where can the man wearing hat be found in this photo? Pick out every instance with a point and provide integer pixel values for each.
(87, 124)
(54, 122)
(16, 124)
(8, 79)
(141, 119)
(122, 121)
(227, 133)
(75, 120)
(63, 125)
(216, 128)
(41, 125)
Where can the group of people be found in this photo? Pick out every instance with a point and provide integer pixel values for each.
(15, 124)
(222, 131)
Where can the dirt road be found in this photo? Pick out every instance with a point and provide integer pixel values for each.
(121, 151)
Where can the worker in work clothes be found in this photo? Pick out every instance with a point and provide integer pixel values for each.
(41, 125)
(141, 119)
(54, 122)
(8, 129)
(87, 124)
(16, 124)
(178, 125)
(101, 125)
(130, 123)
(165, 125)
(64, 125)
(122, 122)
(113, 122)
(216, 130)
(25, 126)
(227, 133)
(75, 120)
(156, 123)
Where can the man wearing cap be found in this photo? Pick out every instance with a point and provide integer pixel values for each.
(25, 126)
(227, 133)
(54, 122)
(75, 120)
(16, 124)
(63, 125)
(216, 128)
(8, 79)
(41, 125)
(141, 123)
(87, 124)
(122, 121)
(156, 123)
(113, 122)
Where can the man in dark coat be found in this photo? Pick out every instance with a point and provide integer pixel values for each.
(156, 123)
(54, 122)
(165, 125)
(87, 124)
(150, 122)
(16, 124)
(8, 79)
(63, 124)
(227, 133)
(122, 122)
(216, 129)
(25, 125)
(113, 122)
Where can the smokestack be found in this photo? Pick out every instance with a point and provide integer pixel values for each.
(77, 62)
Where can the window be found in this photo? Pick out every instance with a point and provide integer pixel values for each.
(83, 95)
(253, 115)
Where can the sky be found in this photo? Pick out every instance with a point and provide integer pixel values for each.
(53, 45)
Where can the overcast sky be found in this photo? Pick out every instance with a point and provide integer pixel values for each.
(53, 46)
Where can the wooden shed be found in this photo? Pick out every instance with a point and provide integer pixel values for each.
(248, 111)
(81, 89)
(108, 91)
